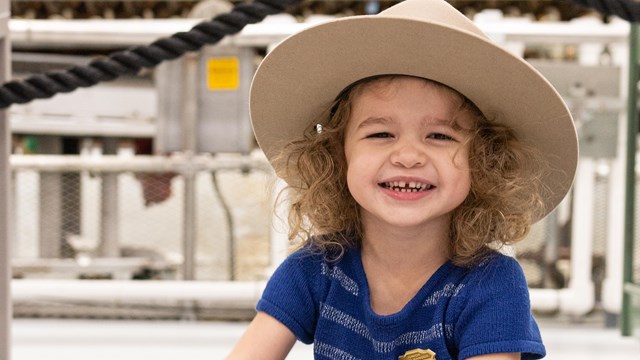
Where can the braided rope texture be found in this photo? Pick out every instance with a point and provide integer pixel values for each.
(132, 60)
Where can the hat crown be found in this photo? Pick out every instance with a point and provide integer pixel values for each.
(433, 11)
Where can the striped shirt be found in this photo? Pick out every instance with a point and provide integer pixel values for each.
(458, 313)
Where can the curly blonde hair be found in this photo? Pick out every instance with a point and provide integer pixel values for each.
(504, 200)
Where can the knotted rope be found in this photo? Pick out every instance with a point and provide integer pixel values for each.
(132, 60)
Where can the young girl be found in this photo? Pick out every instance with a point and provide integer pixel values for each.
(414, 148)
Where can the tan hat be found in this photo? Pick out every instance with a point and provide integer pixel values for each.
(427, 38)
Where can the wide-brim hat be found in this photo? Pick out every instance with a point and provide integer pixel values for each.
(301, 77)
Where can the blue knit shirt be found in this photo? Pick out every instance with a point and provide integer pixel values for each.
(458, 313)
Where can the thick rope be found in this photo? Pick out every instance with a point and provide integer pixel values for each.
(132, 60)
(625, 9)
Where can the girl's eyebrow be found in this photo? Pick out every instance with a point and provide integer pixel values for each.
(370, 121)
(373, 121)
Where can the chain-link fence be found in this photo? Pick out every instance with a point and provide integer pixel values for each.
(115, 224)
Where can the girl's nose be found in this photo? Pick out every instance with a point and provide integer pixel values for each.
(408, 155)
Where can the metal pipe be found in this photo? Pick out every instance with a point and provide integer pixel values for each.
(612, 283)
(105, 33)
(230, 229)
(579, 297)
(123, 32)
(189, 227)
(231, 294)
(5, 194)
(189, 120)
(109, 222)
(177, 163)
(626, 323)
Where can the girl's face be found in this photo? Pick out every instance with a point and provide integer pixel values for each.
(407, 159)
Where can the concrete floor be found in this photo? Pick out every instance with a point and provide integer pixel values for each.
(159, 340)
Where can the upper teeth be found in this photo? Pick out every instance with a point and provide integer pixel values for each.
(411, 186)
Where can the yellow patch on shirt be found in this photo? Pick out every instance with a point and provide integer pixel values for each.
(418, 354)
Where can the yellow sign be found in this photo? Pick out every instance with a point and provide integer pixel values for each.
(223, 73)
(418, 354)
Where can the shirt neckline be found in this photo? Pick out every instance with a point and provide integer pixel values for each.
(409, 308)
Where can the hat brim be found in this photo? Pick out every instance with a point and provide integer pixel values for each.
(302, 76)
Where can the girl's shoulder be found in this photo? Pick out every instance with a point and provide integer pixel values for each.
(494, 271)
(497, 275)
(327, 248)
(313, 261)
(498, 264)
(494, 295)
(295, 291)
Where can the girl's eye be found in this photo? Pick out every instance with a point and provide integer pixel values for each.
(380, 135)
(439, 136)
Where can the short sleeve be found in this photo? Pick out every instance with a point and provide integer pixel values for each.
(290, 293)
(495, 313)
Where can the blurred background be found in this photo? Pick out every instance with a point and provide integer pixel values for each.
(142, 223)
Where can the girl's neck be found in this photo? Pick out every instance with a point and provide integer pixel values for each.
(398, 262)
(406, 249)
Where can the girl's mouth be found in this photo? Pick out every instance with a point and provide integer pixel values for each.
(406, 186)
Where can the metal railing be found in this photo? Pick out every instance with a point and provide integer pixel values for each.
(120, 192)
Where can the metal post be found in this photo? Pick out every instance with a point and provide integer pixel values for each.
(109, 231)
(5, 194)
(630, 181)
(189, 142)
(189, 224)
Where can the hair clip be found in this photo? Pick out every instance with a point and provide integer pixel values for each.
(319, 128)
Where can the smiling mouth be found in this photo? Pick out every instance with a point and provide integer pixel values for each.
(403, 186)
